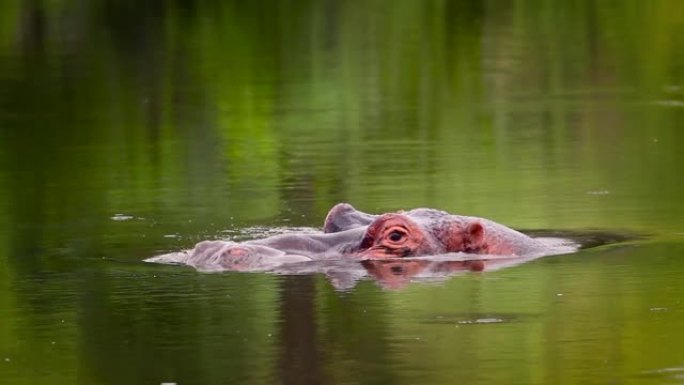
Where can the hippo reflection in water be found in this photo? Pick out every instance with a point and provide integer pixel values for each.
(387, 245)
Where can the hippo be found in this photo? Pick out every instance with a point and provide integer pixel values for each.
(352, 234)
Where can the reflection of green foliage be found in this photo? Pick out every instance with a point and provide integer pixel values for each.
(7, 324)
(9, 11)
(195, 116)
(354, 333)
(594, 314)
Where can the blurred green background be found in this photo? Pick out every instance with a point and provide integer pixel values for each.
(131, 128)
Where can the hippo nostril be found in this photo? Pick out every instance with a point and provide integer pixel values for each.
(397, 269)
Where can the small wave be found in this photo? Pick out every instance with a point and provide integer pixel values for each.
(258, 232)
(670, 103)
(472, 319)
(122, 217)
(673, 373)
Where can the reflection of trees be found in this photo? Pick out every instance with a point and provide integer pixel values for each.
(301, 354)
(254, 108)
(182, 329)
(355, 332)
(261, 109)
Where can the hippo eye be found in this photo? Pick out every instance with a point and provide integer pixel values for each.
(396, 236)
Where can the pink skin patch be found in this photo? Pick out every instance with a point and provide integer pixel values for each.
(238, 251)
(397, 235)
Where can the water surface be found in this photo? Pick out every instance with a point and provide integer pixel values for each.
(128, 130)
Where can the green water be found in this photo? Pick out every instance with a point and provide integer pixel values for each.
(196, 120)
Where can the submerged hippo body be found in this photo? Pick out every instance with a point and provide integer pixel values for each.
(352, 234)
(267, 253)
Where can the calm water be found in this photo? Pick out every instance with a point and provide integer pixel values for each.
(128, 130)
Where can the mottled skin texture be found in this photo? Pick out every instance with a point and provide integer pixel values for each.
(349, 233)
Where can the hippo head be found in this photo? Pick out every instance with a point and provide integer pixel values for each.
(420, 232)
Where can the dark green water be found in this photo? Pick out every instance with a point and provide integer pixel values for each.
(199, 119)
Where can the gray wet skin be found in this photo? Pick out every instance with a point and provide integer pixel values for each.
(267, 253)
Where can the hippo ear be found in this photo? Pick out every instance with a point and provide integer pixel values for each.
(474, 237)
(344, 216)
